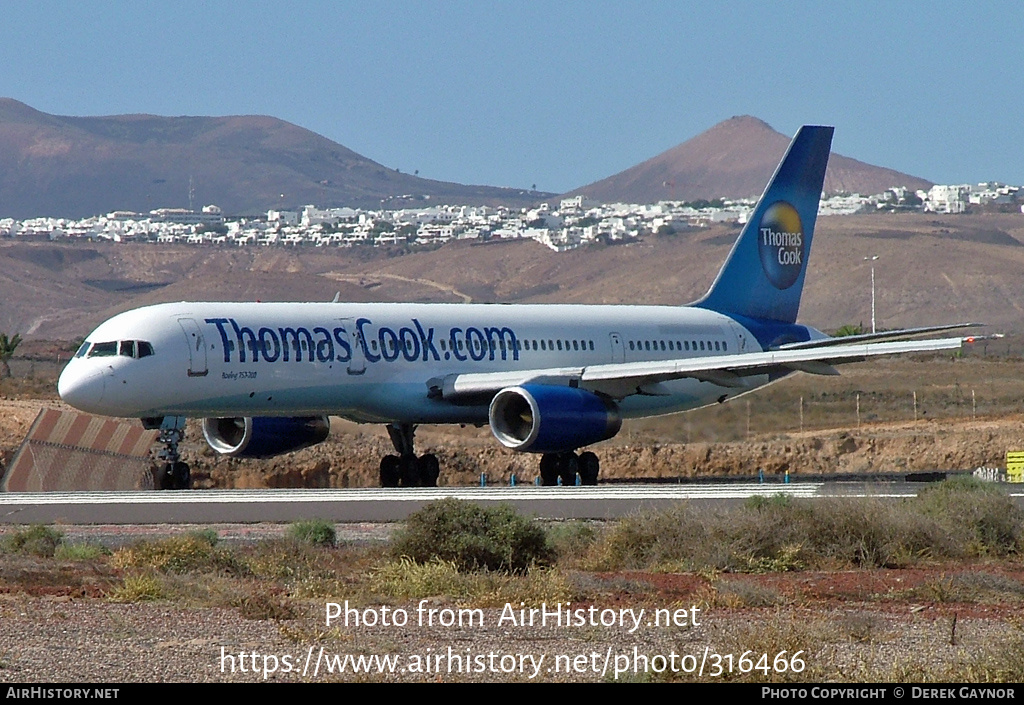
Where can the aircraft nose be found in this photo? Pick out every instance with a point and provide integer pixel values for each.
(82, 388)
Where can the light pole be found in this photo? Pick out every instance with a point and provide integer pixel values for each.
(872, 259)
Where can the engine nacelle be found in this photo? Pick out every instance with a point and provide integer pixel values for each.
(540, 418)
(264, 436)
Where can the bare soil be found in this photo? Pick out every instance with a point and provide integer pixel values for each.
(58, 623)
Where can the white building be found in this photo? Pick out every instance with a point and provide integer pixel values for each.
(947, 199)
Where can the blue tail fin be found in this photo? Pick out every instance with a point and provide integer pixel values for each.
(764, 274)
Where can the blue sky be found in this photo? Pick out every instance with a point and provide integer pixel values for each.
(556, 94)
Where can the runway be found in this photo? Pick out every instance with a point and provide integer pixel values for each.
(376, 505)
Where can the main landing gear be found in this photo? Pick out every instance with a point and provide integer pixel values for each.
(174, 474)
(566, 466)
(406, 469)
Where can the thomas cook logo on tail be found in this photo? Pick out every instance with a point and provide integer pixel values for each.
(780, 242)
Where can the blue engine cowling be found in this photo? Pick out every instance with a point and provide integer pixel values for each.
(264, 436)
(540, 418)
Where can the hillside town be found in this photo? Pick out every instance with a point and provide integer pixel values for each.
(574, 222)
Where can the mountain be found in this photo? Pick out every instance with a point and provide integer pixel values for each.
(53, 165)
(734, 159)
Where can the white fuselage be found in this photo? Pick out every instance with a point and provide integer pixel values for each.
(374, 362)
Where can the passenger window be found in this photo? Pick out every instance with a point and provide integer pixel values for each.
(725, 346)
(145, 349)
(663, 346)
(104, 350)
(591, 345)
(575, 345)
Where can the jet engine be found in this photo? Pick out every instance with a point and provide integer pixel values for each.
(264, 437)
(539, 418)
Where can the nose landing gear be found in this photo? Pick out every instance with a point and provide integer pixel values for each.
(174, 474)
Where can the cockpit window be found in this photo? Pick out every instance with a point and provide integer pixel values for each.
(124, 348)
(104, 349)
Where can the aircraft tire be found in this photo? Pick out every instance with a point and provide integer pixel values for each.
(390, 472)
(568, 466)
(409, 471)
(430, 470)
(165, 477)
(590, 467)
(549, 470)
(181, 476)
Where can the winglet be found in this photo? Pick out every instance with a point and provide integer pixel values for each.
(763, 276)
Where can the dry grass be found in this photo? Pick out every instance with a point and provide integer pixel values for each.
(953, 520)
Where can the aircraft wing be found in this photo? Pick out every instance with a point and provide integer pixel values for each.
(619, 380)
(875, 337)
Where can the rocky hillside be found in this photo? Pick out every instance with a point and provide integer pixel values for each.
(733, 159)
(53, 165)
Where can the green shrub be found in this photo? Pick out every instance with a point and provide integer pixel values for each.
(770, 501)
(571, 538)
(138, 588)
(178, 554)
(773, 534)
(977, 514)
(472, 537)
(318, 532)
(37, 540)
(208, 535)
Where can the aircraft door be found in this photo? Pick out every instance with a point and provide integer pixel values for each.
(741, 337)
(356, 361)
(618, 349)
(197, 366)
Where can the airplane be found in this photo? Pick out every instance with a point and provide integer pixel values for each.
(549, 379)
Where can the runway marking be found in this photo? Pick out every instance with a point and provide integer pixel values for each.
(387, 505)
(494, 494)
